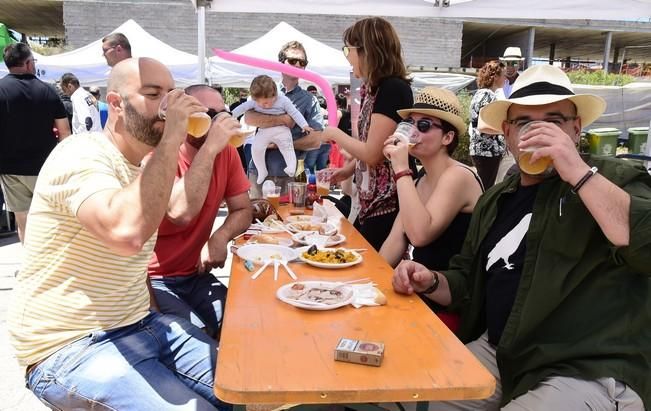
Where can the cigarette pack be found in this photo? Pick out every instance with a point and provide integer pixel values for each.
(360, 352)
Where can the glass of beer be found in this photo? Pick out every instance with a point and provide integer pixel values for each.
(198, 123)
(239, 138)
(272, 194)
(407, 132)
(323, 181)
(524, 159)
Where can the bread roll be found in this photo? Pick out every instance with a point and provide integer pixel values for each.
(380, 298)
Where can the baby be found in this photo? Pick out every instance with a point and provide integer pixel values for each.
(265, 99)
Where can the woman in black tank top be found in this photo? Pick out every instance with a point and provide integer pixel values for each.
(435, 209)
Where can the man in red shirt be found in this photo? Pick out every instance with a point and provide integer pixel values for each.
(209, 171)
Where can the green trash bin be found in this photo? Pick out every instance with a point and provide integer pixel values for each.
(603, 141)
(637, 137)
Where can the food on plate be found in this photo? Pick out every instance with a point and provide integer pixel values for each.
(321, 228)
(313, 238)
(264, 239)
(336, 256)
(262, 209)
(322, 295)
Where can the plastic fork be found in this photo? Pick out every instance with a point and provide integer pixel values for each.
(261, 269)
(289, 270)
(275, 270)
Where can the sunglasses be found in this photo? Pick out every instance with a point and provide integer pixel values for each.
(293, 61)
(346, 49)
(512, 63)
(558, 120)
(424, 125)
(212, 113)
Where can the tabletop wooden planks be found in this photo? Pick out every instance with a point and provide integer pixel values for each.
(271, 352)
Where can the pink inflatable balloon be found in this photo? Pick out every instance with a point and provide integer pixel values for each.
(291, 70)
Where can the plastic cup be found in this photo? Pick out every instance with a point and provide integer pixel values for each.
(273, 196)
(239, 138)
(408, 133)
(524, 159)
(198, 123)
(297, 193)
(323, 181)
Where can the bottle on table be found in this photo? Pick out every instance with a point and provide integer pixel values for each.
(311, 195)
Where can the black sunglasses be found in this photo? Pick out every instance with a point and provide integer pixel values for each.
(424, 125)
(212, 113)
(293, 61)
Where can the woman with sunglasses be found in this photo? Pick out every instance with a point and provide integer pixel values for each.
(486, 150)
(373, 49)
(440, 203)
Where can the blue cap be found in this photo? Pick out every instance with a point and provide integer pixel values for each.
(311, 179)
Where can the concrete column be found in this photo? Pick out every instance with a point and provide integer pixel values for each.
(201, 43)
(552, 53)
(530, 43)
(607, 43)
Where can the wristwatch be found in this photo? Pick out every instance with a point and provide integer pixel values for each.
(434, 286)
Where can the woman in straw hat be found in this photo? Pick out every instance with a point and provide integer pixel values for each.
(442, 200)
(486, 150)
(373, 49)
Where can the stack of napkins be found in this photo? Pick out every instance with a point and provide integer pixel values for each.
(327, 212)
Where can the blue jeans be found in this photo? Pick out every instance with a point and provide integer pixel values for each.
(318, 159)
(159, 363)
(199, 298)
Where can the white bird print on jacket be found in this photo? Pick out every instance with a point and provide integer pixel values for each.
(507, 246)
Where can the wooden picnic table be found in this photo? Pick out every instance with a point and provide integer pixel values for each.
(274, 353)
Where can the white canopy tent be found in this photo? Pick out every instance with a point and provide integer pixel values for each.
(89, 65)
(327, 61)
(500, 9)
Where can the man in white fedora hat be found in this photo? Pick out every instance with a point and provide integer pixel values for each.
(512, 59)
(554, 279)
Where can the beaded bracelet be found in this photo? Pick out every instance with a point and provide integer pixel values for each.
(583, 179)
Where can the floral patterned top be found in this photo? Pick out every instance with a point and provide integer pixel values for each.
(375, 186)
(483, 145)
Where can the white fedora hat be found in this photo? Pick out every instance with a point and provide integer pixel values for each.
(540, 85)
(512, 54)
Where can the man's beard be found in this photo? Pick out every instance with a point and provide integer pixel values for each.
(140, 127)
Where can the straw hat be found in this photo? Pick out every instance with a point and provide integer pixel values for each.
(512, 54)
(439, 103)
(539, 85)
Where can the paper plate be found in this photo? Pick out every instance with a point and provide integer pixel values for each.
(323, 228)
(268, 228)
(281, 241)
(309, 296)
(319, 264)
(304, 238)
(259, 253)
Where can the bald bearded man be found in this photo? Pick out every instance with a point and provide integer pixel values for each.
(81, 321)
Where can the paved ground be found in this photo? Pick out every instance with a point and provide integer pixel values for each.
(13, 394)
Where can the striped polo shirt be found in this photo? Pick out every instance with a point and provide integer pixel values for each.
(70, 284)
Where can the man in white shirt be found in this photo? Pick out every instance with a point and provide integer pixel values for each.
(85, 115)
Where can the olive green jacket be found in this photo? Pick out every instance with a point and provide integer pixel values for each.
(583, 306)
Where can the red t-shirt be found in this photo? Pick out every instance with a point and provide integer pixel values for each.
(178, 248)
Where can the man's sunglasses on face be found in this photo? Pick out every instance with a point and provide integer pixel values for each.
(294, 61)
(212, 113)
